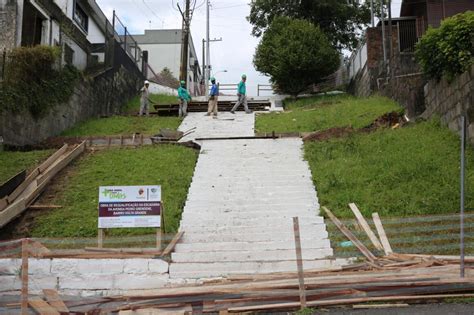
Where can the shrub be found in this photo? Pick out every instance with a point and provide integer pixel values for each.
(33, 81)
(449, 49)
(295, 54)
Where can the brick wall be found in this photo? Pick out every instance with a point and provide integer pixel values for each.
(450, 101)
(8, 12)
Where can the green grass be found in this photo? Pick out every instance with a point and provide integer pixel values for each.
(408, 171)
(13, 162)
(122, 125)
(410, 176)
(127, 125)
(134, 105)
(169, 166)
(324, 112)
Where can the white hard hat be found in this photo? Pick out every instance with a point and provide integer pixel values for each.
(146, 82)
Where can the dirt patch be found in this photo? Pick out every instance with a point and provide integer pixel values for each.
(390, 120)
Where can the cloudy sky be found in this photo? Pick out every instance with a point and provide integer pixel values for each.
(227, 17)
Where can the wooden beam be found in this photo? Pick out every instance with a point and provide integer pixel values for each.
(55, 300)
(365, 226)
(42, 207)
(43, 308)
(173, 243)
(12, 211)
(364, 250)
(46, 164)
(24, 276)
(299, 262)
(383, 237)
(11, 184)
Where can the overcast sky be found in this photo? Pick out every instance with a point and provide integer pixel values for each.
(234, 53)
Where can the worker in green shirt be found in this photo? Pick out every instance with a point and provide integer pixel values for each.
(184, 98)
(242, 97)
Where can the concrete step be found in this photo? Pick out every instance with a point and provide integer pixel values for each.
(246, 256)
(248, 215)
(280, 235)
(283, 225)
(251, 246)
(220, 269)
(253, 203)
(251, 199)
(207, 222)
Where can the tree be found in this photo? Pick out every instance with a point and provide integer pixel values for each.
(340, 20)
(168, 78)
(295, 54)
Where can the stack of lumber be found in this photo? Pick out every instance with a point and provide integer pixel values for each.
(26, 191)
(201, 106)
(408, 279)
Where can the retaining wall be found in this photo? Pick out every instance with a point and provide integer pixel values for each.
(451, 100)
(87, 277)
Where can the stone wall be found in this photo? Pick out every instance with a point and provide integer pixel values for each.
(87, 277)
(8, 12)
(450, 101)
(102, 95)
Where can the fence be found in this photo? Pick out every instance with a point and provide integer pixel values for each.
(126, 40)
(358, 60)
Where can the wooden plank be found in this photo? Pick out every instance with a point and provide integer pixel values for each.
(381, 231)
(293, 305)
(364, 250)
(46, 164)
(299, 262)
(11, 184)
(29, 179)
(37, 249)
(377, 306)
(55, 300)
(43, 308)
(42, 207)
(12, 211)
(24, 276)
(100, 238)
(173, 243)
(365, 226)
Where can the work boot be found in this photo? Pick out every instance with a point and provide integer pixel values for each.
(249, 112)
(207, 114)
(232, 112)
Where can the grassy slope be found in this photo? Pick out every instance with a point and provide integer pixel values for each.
(127, 124)
(323, 112)
(13, 162)
(169, 166)
(408, 171)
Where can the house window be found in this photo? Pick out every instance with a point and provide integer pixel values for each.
(81, 17)
(68, 54)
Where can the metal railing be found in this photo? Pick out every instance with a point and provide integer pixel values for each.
(126, 40)
(358, 59)
(264, 88)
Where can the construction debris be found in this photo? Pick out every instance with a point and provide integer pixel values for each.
(22, 197)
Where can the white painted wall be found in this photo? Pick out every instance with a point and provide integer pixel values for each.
(66, 6)
(80, 56)
(55, 33)
(163, 55)
(160, 89)
(94, 34)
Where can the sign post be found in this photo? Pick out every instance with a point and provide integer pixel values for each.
(129, 207)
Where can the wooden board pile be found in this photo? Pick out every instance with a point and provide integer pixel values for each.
(386, 280)
(224, 106)
(26, 191)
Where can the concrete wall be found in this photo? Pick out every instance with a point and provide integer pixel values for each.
(8, 25)
(451, 100)
(103, 95)
(86, 277)
(164, 55)
(161, 89)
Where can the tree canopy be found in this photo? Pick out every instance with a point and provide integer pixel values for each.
(295, 54)
(340, 20)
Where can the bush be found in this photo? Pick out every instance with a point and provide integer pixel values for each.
(448, 50)
(33, 82)
(295, 54)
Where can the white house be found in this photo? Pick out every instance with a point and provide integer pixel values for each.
(75, 25)
(164, 50)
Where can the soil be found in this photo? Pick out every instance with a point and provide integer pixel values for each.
(389, 120)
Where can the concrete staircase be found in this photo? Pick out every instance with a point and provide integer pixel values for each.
(238, 215)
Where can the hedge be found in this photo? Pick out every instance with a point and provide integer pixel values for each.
(448, 50)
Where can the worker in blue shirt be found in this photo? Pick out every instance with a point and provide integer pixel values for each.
(242, 97)
(213, 95)
(184, 98)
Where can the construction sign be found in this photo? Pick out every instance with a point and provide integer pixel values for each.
(129, 206)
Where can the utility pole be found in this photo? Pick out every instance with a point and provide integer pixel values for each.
(204, 63)
(382, 19)
(208, 53)
(372, 18)
(183, 76)
(390, 43)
